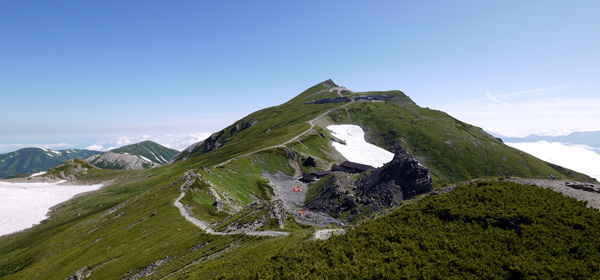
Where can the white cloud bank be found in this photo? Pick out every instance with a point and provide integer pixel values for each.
(576, 157)
(357, 149)
(173, 141)
(23, 205)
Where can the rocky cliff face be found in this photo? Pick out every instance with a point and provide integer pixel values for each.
(215, 141)
(401, 179)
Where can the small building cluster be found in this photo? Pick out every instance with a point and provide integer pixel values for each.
(371, 98)
(346, 166)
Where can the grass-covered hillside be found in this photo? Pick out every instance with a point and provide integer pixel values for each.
(132, 228)
(31, 160)
(453, 150)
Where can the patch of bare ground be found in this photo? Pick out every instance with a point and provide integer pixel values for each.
(589, 192)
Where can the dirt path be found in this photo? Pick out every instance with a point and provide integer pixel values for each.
(293, 201)
(312, 125)
(206, 226)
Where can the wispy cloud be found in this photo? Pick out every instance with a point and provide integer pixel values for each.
(495, 99)
(537, 90)
(532, 111)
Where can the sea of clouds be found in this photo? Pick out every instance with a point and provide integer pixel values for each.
(580, 158)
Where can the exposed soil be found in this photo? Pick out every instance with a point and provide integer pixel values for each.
(593, 198)
(293, 201)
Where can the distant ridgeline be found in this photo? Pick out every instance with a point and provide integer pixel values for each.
(372, 98)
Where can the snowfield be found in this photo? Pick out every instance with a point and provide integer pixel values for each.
(23, 205)
(356, 148)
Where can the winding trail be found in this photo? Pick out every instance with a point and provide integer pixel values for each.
(206, 226)
(295, 138)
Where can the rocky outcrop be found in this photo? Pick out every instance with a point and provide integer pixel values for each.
(149, 270)
(215, 141)
(385, 187)
(310, 161)
(81, 274)
(70, 170)
(332, 194)
(583, 186)
(402, 178)
(256, 215)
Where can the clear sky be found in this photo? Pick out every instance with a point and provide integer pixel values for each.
(101, 74)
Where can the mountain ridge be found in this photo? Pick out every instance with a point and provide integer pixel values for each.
(142, 155)
(31, 160)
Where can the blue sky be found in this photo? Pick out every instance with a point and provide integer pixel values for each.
(77, 74)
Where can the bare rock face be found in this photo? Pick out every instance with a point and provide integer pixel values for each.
(110, 160)
(310, 161)
(256, 215)
(215, 141)
(81, 274)
(402, 178)
(332, 194)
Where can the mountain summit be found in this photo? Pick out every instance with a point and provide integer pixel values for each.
(30, 160)
(143, 155)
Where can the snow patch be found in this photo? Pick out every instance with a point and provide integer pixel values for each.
(157, 159)
(144, 158)
(23, 205)
(38, 174)
(357, 149)
(58, 153)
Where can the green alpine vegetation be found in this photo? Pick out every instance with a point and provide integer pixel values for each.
(484, 230)
(243, 175)
(31, 160)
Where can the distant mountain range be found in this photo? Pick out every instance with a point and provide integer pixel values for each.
(143, 155)
(588, 138)
(31, 160)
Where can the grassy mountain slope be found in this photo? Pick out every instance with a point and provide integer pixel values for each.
(131, 228)
(31, 160)
(153, 151)
(453, 150)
